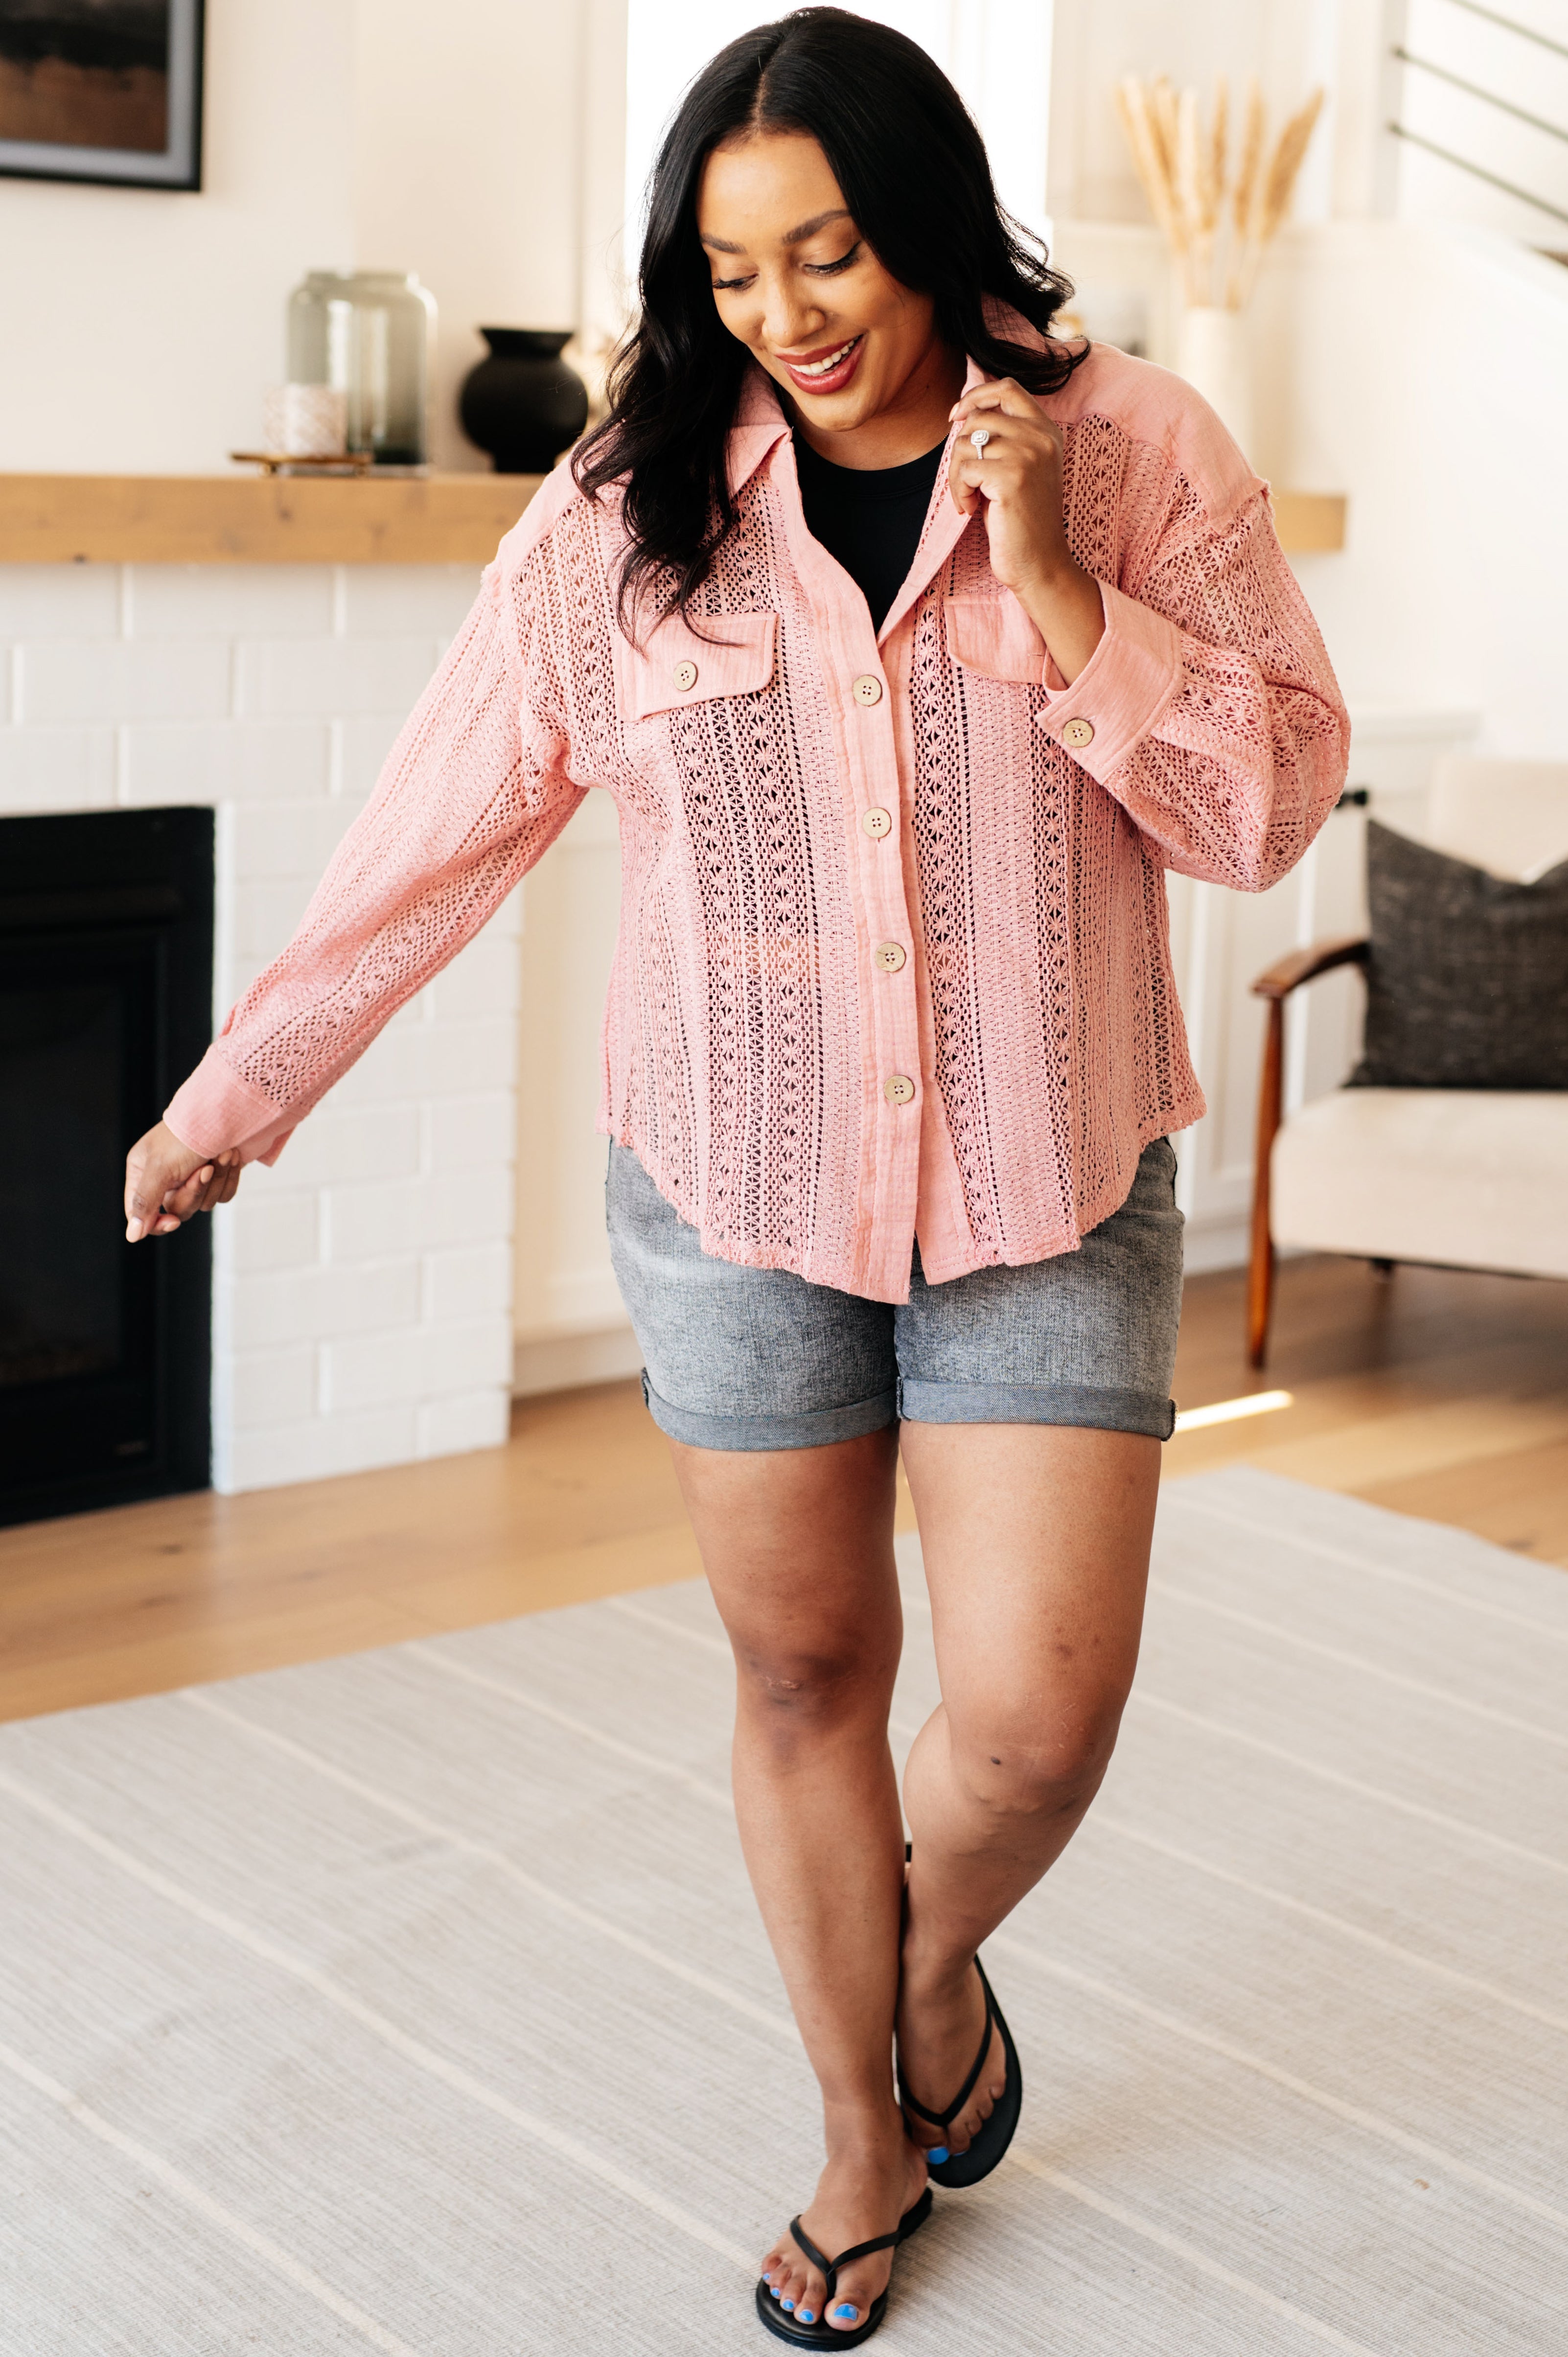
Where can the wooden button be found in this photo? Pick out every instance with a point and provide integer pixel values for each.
(890, 956)
(684, 675)
(900, 1089)
(1078, 734)
(867, 688)
(877, 822)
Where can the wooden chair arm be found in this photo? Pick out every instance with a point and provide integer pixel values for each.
(1287, 974)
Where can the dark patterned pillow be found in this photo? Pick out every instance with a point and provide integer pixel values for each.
(1468, 979)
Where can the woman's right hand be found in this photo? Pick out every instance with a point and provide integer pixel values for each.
(166, 1184)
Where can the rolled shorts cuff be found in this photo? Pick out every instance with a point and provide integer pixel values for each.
(1104, 1411)
(816, 1428)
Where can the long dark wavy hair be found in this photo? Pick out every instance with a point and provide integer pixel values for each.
(916, 180)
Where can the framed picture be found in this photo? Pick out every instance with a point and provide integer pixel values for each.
(101, 90)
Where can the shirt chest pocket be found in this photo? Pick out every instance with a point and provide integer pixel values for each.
(675, 666)
(995, 637)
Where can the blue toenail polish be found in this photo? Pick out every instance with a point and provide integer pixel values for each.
(937, 2154)
(846, 2311)
(787, 2303)
(806, 2316)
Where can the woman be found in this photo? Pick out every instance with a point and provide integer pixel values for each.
(914, 648)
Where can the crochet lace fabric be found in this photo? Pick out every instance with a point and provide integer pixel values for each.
(749, 1037)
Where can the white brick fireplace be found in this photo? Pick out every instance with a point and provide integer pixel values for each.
(362, 1288)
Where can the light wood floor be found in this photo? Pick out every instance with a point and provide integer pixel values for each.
(1437, 1394)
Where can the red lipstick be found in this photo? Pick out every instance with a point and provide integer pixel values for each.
(806, 373)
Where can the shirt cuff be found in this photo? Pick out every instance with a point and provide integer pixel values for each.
(215, 1110)
(1121, 691)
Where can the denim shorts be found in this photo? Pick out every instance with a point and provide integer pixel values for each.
(758, 1358)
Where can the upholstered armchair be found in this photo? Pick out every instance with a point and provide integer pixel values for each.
(1463, 1176)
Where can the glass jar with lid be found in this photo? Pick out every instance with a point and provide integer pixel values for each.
(368, 333)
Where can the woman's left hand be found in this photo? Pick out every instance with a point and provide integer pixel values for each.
(1016, 483)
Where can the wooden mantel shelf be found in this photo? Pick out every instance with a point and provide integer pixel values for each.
(342, 520)
(258, 518)
(1310, 523)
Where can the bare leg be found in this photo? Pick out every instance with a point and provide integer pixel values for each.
(798, 1544)
(1036, 1549)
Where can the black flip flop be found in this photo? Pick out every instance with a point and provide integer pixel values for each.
(821, 2335)
(995, 2135)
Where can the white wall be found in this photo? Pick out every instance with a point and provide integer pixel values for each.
(142, 326)
(485, 133)
(998, 52)
(1354, 168)
(1511, 67)
(1421, 369)
(1288, 44)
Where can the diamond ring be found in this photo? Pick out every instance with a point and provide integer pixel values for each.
(978, 440)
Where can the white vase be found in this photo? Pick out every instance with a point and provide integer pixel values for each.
(1215, 356)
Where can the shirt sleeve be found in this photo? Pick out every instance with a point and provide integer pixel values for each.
(1210, 708)
(475, 790)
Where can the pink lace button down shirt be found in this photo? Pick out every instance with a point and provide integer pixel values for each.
(801, 799)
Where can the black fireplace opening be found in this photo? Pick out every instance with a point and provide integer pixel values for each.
(106, 1005)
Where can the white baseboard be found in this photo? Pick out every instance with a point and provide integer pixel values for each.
(1227, 1244)
(565, 1362)
(587, 1298)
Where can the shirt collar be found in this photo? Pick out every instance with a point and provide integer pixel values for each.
(759, 423)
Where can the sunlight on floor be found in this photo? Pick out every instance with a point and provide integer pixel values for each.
(1193, 1419)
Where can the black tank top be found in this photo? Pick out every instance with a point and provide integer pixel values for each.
(868, 517)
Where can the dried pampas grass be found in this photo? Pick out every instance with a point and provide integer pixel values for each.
(1183, 167)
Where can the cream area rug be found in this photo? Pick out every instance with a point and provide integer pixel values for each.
(416, 2002)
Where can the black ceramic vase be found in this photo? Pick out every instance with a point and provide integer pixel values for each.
(524, 404)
